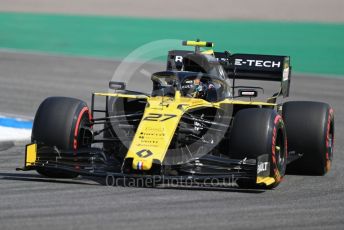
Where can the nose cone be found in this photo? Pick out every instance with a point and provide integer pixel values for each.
(154, 134)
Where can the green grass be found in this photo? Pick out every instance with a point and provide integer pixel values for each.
(313, 47)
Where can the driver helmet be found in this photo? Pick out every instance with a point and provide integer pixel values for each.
(195, 88)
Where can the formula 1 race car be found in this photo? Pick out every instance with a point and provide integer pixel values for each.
(197, 124)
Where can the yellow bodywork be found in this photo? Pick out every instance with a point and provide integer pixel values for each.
(198, 43)
(157, 128)
(159, 123)
(265, 180)
(30, 154)
(121, 95)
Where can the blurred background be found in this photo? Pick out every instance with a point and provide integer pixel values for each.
(310, 31)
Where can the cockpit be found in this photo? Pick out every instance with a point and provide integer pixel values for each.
(190, 84)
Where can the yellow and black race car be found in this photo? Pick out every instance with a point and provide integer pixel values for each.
(196, 125)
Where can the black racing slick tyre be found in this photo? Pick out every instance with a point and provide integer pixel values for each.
(256, 132)
(310, 131)
(59, 122)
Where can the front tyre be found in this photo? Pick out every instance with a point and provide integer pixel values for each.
(62, 122)
(258, 132)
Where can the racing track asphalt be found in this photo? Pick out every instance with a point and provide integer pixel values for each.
(28, 201)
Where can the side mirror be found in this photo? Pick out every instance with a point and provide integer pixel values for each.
(115, 85)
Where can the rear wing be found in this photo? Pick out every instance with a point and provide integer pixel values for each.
(245, 66)
(258, 67)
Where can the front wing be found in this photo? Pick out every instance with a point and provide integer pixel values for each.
(208, 169)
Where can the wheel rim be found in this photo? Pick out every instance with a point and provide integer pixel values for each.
(280, 155)
(82, 137)
(330, 146)
(329, 153)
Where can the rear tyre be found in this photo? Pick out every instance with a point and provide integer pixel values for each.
(61, 122)
(310, 131)
(256, 132)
